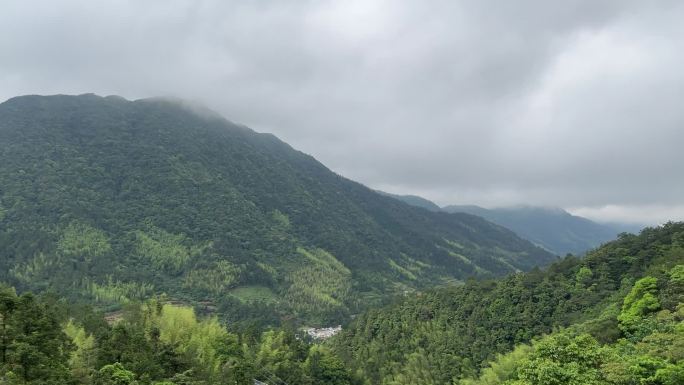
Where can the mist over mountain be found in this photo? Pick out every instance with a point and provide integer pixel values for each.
(552, 228)
(146, 239)
(108, 201)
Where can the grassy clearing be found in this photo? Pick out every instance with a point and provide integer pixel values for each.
(254, 293)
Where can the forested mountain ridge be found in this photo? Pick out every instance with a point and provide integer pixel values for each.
(109, 200)
(552, 228)
(614, 317)
(414, 200)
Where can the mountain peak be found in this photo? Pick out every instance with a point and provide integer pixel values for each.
(126, 199)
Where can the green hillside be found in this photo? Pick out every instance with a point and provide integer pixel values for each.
(552, 228)
(614, 317)
(110, 201)
(414, 200)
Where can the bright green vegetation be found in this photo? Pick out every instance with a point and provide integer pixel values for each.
(321, 285)
(81, 240)
(113, 292)
(48, 342)
(163, 250)
(217, 279)
(111, 201)
(651, 350)
(614, 317)
(254, 294)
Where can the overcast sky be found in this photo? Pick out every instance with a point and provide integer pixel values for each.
(577, 104)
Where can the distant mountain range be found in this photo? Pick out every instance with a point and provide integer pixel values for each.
(551, 228)
(109, 201)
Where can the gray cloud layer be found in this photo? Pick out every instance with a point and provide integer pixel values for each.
(575, 104)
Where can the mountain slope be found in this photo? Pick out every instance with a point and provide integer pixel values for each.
(414, 200)
(553, 228)
(110, 200)
(627, 294)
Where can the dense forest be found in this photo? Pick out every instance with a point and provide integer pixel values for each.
(48, 341)
(110, 201)
(613, 318)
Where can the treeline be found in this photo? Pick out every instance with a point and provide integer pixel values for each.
(45, 341)
(621, 306)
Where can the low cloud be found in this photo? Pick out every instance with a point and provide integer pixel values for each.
(572, 104)
(649, 214)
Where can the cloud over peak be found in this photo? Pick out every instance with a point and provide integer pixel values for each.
(574, 104)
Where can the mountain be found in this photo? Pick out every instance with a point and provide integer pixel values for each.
(552, 228)
(110, 201)
(413, 200)
(613, 317)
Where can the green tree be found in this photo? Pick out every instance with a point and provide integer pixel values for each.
(115, 374)
(584, 276)
(325, 368)
(83, 357)
(418, 370)
(562, 360)
(8, 299)
(36, 346)
(641, 300)
(279, 356)
(504, 368)
(671, 375)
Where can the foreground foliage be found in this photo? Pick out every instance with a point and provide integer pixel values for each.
(614, 317)
(43, 341)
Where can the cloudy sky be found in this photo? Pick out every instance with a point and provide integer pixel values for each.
(577, 104)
